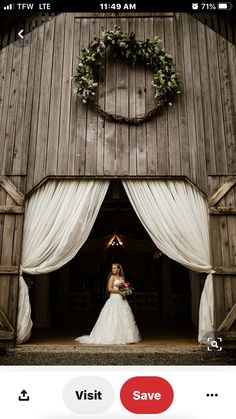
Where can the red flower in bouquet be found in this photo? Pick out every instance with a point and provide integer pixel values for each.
(126, 287)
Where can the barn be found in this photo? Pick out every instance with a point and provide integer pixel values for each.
(79, 191)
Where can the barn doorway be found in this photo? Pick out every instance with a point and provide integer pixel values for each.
(163, 300)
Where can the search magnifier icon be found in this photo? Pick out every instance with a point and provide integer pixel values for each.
(214, 344)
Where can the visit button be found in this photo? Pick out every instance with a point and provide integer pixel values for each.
(146, 395)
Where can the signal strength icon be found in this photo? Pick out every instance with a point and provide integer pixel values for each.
(9, 7)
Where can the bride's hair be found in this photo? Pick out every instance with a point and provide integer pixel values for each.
(121, 273)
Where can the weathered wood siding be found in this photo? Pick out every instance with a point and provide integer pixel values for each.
(44, 132)
(11, 224)
(222, 207)
(12, 24)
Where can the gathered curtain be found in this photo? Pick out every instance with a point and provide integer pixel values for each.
(174, 213)
(58, 219)
(60, 215)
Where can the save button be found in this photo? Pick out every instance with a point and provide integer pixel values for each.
(146, 395)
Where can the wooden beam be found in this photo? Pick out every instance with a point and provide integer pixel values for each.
(115, 15)
(4, 209)
(222, 211)
(228, 321)
(223, 189)
(223, 270)
(6, 335)
(5, 321)
(9, 270)
(11, 189)
(229, 336)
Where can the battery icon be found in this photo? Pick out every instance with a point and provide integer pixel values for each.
(224, 6)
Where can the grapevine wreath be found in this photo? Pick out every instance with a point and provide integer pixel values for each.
(165, 79)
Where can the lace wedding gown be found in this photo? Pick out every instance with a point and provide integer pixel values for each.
(115, 324)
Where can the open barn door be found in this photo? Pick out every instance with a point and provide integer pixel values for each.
(223, 235)
(11, 223)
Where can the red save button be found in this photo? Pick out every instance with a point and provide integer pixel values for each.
(146, 395)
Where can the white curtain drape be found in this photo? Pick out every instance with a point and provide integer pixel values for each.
(58, 219)
(174, 213)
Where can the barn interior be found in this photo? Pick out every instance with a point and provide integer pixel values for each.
(66, 303)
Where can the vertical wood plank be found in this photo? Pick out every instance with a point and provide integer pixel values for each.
(214, 227)
(82, 111)
(6, 104)
(140, 106)
(101, 101)
(3, 65)
(224, 241)
(122, 96)
(219, 300)
(216, 103)
(172, 111)
(227, 105)
(12, 111)
(13, 307)
(234, 288)
(38, 44)
(230, 201)
(110, 106)
(28, 110)
(205, 101)
(44, 103)
(132, 112)
(73, 156)
(2, 216)
(224, 234)
(17, 244)
(8, 235)
(92, 118)
(197, 97)
(228, 293)
(21, 145)
(66, 96)
(188, 80)
(78, 121)
(215, 241)
(231, 49)
(150, 104)
(5, 284)
(161, 121)
(56, 97)
(229, 113)
(181, 98)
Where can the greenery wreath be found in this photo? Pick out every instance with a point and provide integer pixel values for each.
(165, 79)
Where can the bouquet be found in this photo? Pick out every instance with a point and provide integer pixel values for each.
(127, 288)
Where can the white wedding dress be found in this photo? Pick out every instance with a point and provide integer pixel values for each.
(115, 324)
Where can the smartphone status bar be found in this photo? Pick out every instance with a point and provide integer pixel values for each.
(116, 6)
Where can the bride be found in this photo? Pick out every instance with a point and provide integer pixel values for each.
(116, 323)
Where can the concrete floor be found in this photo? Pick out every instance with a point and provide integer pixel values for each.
(41, 338)
(172, 347)
(171, 332)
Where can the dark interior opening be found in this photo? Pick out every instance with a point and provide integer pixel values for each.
(161, 301)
